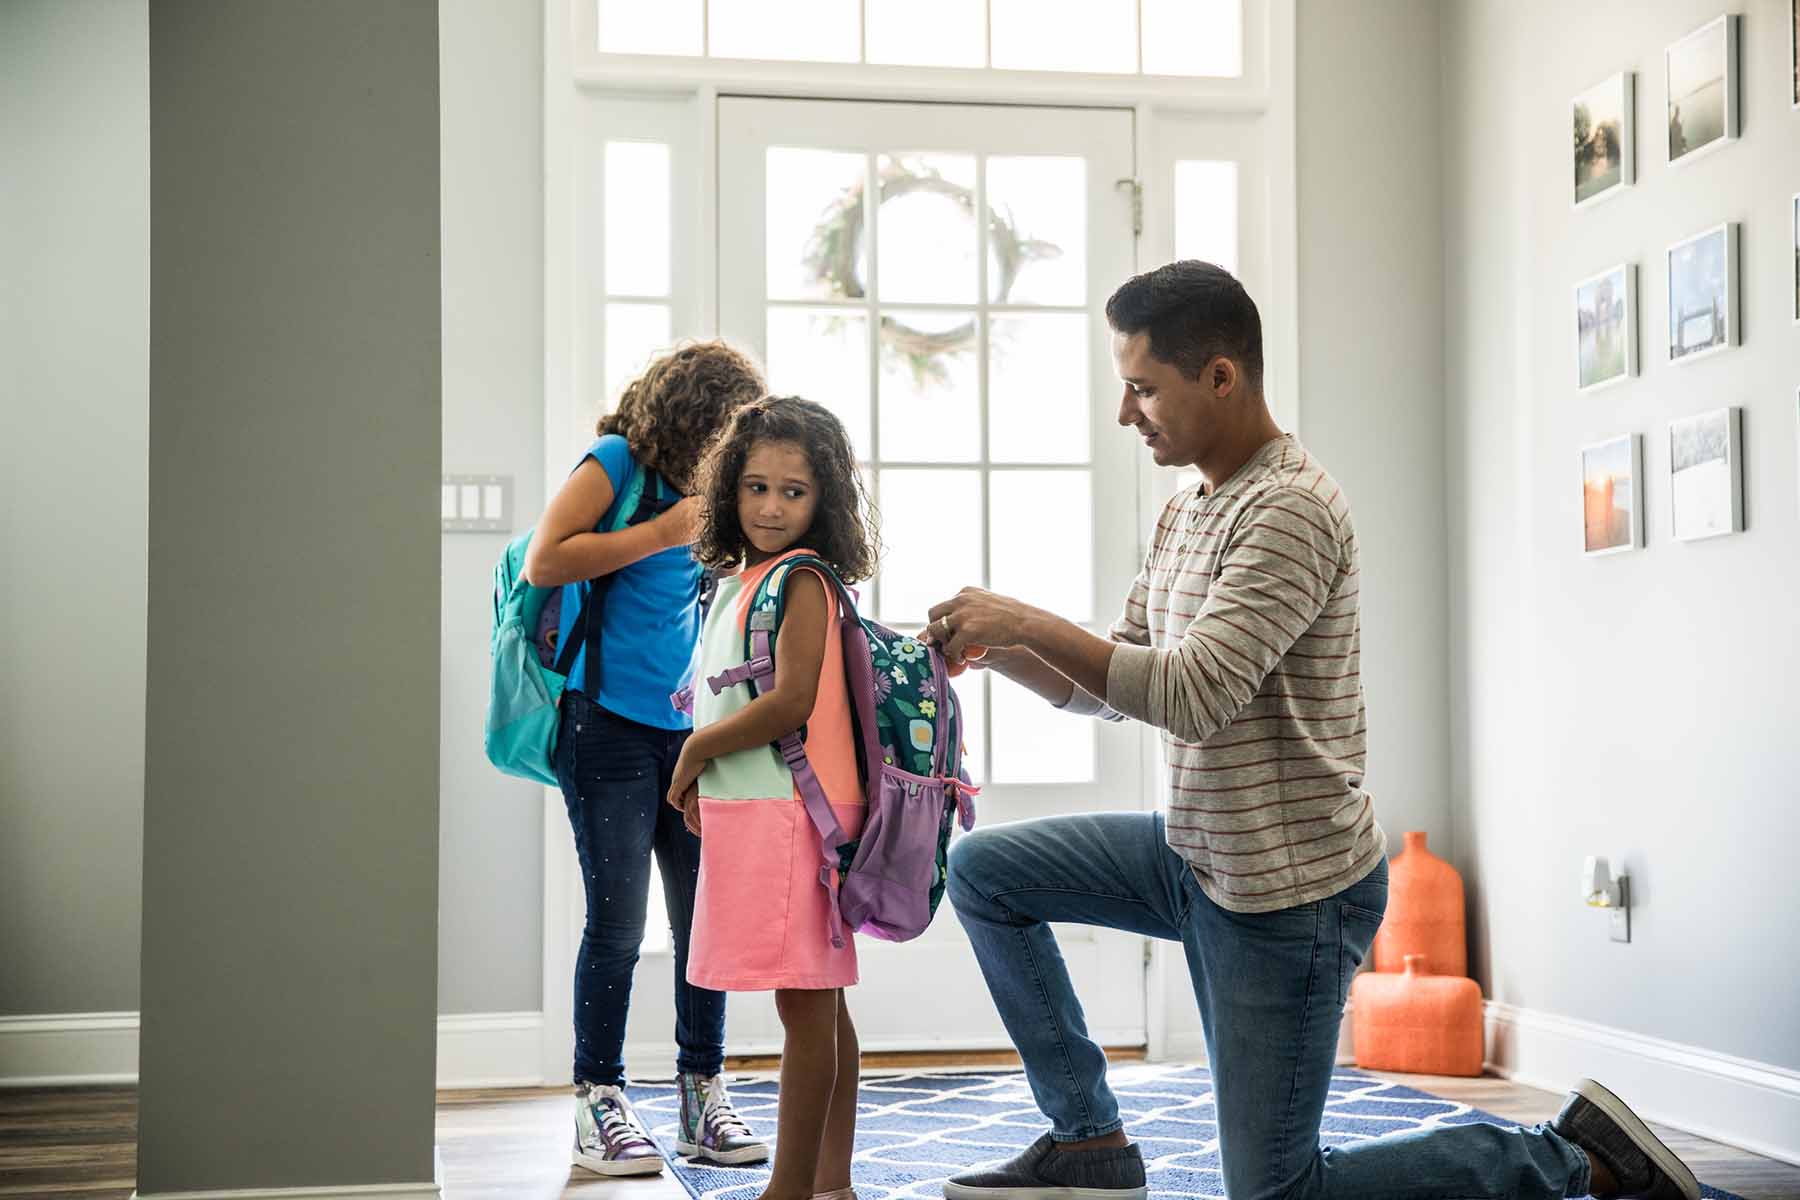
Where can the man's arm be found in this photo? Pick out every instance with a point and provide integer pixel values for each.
(1274, 581)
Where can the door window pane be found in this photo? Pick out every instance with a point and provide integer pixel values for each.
(809, 30)
(1038, 388)
(1035, 742)
(1043, 539)
(931, 523)
(637, 219)
(1065, 35)
(1206, 212)
(635, 333)
(930, 393)
(1037, 236)
(1194, 37)
(823, 355)
(633, 27)
(927, 228)
(928, 33)
(815, 224)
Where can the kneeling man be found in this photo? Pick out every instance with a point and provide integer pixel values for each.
(1240, 641)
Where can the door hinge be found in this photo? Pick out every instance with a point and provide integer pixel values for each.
(1137, 204)
(1149, 953)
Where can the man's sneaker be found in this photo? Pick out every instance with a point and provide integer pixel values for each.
(710, 1128)
(1598, 1121)
(608, 1138)
(1042, 1172)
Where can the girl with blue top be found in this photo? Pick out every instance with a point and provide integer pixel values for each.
(617, 535)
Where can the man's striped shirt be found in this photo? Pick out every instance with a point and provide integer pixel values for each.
(1241, 642)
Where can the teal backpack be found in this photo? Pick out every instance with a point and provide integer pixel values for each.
(530, 670)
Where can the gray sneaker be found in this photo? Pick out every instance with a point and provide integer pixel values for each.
(608, 1138)
(1042, 1172)
(1598, 1121)
(710, 1128)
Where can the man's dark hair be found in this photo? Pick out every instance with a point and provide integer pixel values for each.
(1194, 312)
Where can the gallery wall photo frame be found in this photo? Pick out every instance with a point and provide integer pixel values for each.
(1794, 48)
(1702, 276)
(1612, 496)
(1606, 328)
(1605, 139)
(1700, 91)
(1706, 475)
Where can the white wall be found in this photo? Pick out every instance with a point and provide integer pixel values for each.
(1640, 704)
(491, 887)
(74, 394)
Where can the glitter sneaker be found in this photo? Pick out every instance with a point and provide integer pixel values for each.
(608, 1138)
(710, 1128)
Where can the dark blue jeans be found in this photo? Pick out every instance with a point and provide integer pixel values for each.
(615, 774)
(1270, 987)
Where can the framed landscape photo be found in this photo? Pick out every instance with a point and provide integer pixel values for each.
(1606, 324)
(1612, 518)
(1701, 74)
(1706, 475)
(1605, 139)
(1703, 294)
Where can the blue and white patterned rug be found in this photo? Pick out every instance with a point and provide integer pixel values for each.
(913, 1131)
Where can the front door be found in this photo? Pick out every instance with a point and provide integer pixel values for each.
(936, 274)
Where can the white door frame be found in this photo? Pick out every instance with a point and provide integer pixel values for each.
(575, 73)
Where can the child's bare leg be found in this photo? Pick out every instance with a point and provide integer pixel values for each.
(840, 1122)
(809, 1019)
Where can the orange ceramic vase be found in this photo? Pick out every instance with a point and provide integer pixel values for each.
(1429, 1024)
(1424, 914)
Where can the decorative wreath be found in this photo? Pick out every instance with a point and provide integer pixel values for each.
(834, 250)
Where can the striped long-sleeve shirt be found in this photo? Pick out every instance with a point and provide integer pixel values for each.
(1241, 642)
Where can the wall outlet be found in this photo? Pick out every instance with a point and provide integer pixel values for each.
(477, 503)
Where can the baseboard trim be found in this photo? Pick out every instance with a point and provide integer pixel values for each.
(1751, 1105)
(474, 1050)
(69, 1049)
(434, 1190)
(490, 1050)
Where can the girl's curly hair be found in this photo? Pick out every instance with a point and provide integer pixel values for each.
(672, 412)
(845, 529)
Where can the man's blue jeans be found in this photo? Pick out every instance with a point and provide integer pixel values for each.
(1271, 990)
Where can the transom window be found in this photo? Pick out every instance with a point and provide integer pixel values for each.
(1103, 37)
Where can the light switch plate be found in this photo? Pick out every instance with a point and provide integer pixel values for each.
(477, 503)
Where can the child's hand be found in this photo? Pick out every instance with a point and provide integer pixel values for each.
(686, 780)
(690, 811)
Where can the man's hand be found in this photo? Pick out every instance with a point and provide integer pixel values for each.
(974, 617)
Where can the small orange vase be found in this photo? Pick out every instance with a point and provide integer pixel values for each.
(1428, 1024)
(1424, 914)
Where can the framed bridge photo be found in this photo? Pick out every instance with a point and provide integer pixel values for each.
(1703, 294)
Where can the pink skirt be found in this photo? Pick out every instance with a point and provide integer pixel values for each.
(761, 917)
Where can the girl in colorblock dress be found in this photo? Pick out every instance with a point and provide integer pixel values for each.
(782, 481)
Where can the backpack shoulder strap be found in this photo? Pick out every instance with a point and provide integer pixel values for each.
(584, 630)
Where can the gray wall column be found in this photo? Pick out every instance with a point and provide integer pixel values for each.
(290, 815)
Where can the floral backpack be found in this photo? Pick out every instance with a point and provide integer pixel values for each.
(908, 729)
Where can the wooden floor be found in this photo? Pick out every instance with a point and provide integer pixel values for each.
(513, 1144)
